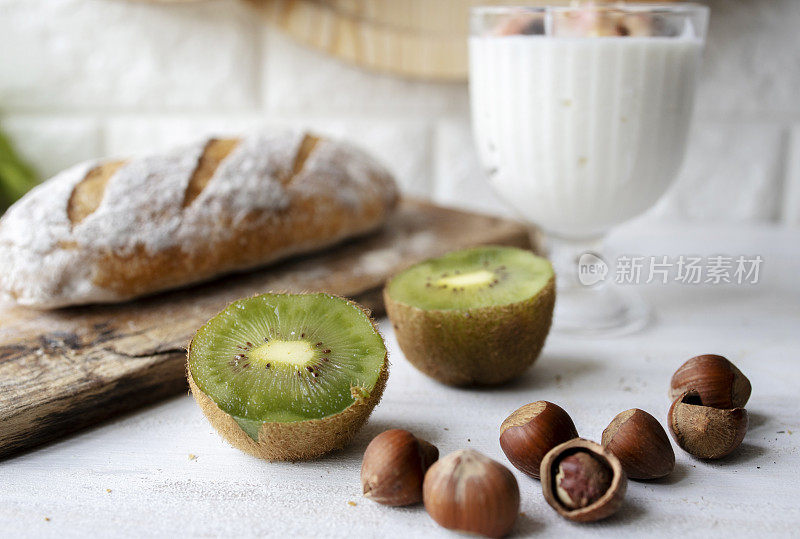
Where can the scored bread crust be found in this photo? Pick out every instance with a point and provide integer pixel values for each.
(108, 231)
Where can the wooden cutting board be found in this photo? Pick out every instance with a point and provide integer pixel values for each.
(67, 369)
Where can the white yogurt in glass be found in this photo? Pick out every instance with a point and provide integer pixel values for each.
(580, 134)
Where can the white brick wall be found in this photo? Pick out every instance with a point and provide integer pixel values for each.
(52, 142)
(791, 202)
(85, 78)
(461, 181)
(299, 80)
(751, 61)
(732, 172)
(119, 55)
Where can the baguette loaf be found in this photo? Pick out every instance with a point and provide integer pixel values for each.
(111, 231)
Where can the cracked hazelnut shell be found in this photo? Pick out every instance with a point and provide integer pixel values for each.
(704, 431)
(531, 431)
(469, 492)
(719, 383)
(598, 507)
(394, 467)
(641, 444)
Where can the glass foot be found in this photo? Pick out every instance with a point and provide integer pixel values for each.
(599, 311)
(588, 301)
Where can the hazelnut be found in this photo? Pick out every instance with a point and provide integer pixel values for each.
(394, 467)
(640, 443)
(469, 492)
(704, 431)
(717, 380)
(583, 481)
(531, 431)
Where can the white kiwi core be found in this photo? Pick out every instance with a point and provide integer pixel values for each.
(467, 280)
(293, 353)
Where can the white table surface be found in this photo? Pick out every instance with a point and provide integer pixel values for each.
(163, 471)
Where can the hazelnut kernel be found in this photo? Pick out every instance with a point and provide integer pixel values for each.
(581, 480)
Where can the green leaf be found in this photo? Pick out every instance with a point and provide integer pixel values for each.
(16, 176)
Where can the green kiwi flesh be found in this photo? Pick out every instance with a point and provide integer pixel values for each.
(477, 316)
(288, 376)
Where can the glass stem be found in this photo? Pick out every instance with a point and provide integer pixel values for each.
(565, 254)
(588, 303)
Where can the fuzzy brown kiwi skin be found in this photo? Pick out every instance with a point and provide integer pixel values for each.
(484, 346)
(298, 440)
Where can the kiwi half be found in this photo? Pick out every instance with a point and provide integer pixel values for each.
(473, 317)
(288, 376)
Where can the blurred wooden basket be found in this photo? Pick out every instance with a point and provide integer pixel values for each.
(413, 38)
